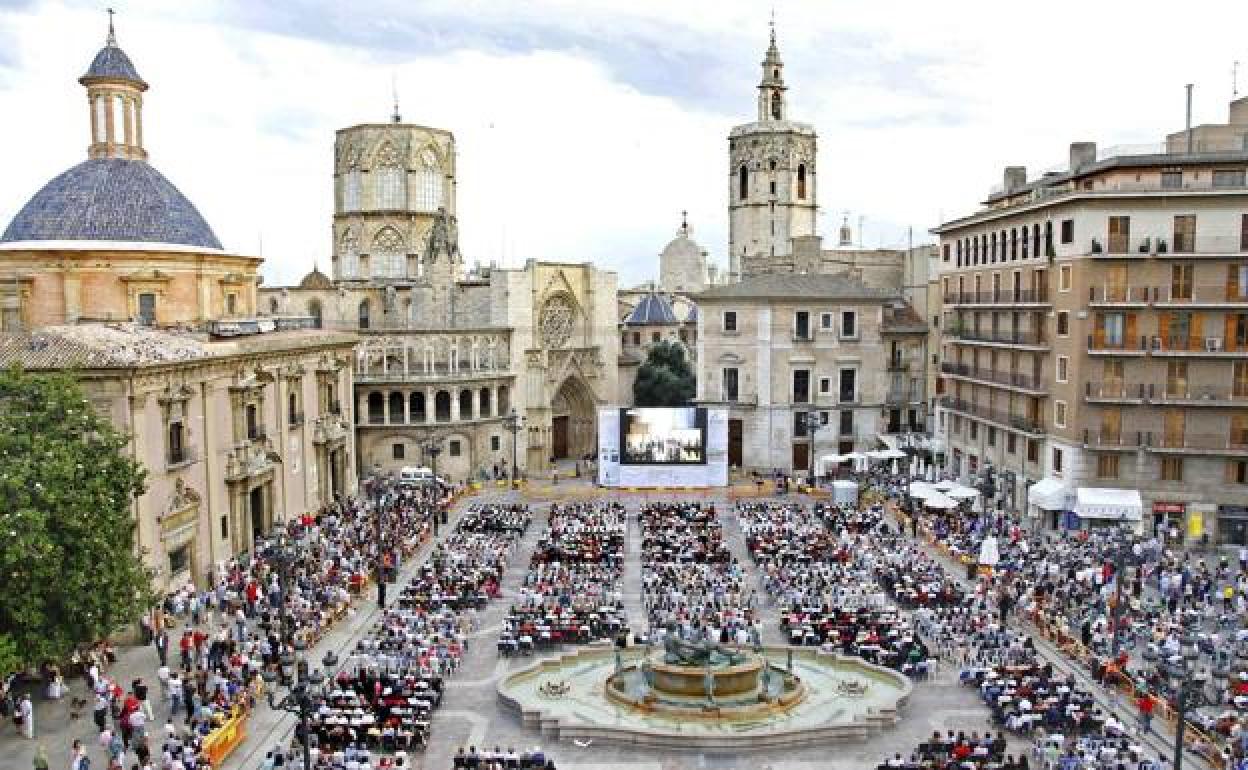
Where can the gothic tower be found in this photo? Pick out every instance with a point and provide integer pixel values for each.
(771, 185)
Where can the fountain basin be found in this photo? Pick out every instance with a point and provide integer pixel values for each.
(827, 698)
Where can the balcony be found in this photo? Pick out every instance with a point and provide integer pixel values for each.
(898, 365)
(1167, 246)
(178, 457)
(999, 297)
(1201, 347)
(1115, 393)
(1228, 444)
(1197, 395)
(999, 416)
(847, 397)
(903, 396)
(1100, 343)
(1012, 338)
(1016, 380)
(256, 434)
(1118, 296)
(438, 373)
(803, 337)
(1216, 295)
(1114, 440)
(335, 407)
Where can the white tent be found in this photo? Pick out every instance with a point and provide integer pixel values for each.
(891, 454)
(959, 492)
(1049, 494)
(921, 489)
(1100, 503)
(945, 485)
(937, 500)
(845, 491)
(989, 554)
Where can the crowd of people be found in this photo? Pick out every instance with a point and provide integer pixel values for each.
(572, 592)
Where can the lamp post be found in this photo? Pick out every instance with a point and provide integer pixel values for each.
(285, 554)
(514, 423)
(381, 552)
(432, 447)
(987, 484)
(1122, 551)
(810, 421)
(302, 699)
(1187, 688)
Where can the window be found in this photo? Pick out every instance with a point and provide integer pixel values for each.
(1243, 233)
(974, 429)
(801, 181)
(825, 384)
(396, 451)
(1063, 364)
(1237, 281)
(1237, 472)
(1059, 414)
(225, 527)
(147, 309)
(1181, 281)
(825, 320)
(231, 304)
(848, 390)
(1172, 469)
(1119, 234)
(1068, 229)
(1228, 178)
(1184, 232)
(849, 323)
(1107, 466)
(801, 386)
(349, 251)
(177, 443)
(1064, 278)
(389, 254)
(180, 559)
(730, 383)
(1057, 461)
(1171, 180)
(428, 182)
(743, 183)
(944, 252)
(252, 423)
(495, 443)
(730, 320)
(1063, 323)
(992, 436)
(636, 338)
(1239, 379)
(390, 179)
(363, 314)
(351, 191)
(801, 325)
(655, 336)
(453, 448)
(771, 189)
(846, 420)
(1011, 443)
(1033, 450)
(293, 417)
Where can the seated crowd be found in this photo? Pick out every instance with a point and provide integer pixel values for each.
(572, 591)
(498, 759)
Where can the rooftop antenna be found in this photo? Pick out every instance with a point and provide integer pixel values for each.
(395, 117)
(1234, 80)
(1189, 118)
(684, 222)
(112, 36)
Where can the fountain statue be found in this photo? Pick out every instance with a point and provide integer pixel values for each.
(679, 652)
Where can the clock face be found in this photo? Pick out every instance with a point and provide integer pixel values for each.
(556, 321)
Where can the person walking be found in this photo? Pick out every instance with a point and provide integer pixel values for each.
(161, 642)
(26, 710)
(78, 759)
(1145, 704)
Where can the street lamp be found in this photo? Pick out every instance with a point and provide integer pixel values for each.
(810, 421)
(1188, 690)
(302, 700)
(381, 552)
(432, 447)
(1122, 552)
(285, 554)
(987, 484)
(514, 423)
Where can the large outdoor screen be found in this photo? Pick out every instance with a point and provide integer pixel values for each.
(663, 436)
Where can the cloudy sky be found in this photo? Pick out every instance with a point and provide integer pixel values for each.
(584, 128)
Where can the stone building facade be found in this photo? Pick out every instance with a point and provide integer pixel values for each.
(649, 317)
(110, 272)
(1095, 332)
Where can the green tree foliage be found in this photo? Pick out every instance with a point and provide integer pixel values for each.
(68, 565)
(665, 378)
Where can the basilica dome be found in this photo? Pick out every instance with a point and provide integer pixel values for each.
(111, 199)
(682, 263)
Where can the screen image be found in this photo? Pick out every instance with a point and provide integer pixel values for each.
(663, 436)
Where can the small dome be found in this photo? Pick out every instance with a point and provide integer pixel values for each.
(682, 247)
(111, 199)
(112, 63)
(653, 309)
(316, 280)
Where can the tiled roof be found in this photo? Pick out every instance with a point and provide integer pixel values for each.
(316, 280)
(797, 285)
(124, 345)
(112, 62)
(651, 310)
(111, 199)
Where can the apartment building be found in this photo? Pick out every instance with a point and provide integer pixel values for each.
(1094, 336)
(809, 365)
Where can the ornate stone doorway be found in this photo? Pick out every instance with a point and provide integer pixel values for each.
(573, 413)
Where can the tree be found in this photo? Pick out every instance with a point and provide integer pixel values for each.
(665, 378)
(68, 563)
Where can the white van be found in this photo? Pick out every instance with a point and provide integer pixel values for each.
(412, 476)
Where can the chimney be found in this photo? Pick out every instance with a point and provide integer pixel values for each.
(1015, 177)
(1081, 154)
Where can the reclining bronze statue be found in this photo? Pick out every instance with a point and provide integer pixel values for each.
(680, 652)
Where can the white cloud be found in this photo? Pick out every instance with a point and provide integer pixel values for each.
(584, 129)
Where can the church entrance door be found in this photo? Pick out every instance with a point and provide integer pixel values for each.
(255, 504)
(736, 433)
(559, 437)
(801, 457)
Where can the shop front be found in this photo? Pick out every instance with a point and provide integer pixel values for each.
(1169, 520)
(1101, 507)
(1232, 525)
(1049, 498)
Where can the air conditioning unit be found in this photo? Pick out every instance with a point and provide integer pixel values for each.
(1213, 344)
(1156, 343)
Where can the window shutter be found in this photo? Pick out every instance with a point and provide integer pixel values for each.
(1197, 341)
(1163, 328)
(1232, 281)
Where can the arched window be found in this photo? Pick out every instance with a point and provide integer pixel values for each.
(351, 190)
(364, 314)
(801, 181)
(391, 190)
(428, 182)
(777, 106)
(349, 255)
(314, 310)
(388, 256)
(743, 183)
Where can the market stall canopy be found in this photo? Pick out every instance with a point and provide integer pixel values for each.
(922, 489)
(945, 485)
(962, 493)
(939, 501)
(1101, 503)
(890, 454)
(1049, 494)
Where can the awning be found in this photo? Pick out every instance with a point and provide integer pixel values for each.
(939, 501)
(1050, 494)
(962, 493)
(921, 489)
(1098, 503)
(945, 485)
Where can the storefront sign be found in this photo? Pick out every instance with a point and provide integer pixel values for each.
(1169, 508)
(1195, 524)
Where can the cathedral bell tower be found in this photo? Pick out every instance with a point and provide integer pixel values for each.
(771, 187)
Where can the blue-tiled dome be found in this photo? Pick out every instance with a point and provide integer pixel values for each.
(110, 199)
(112, 62)
(651, 309)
